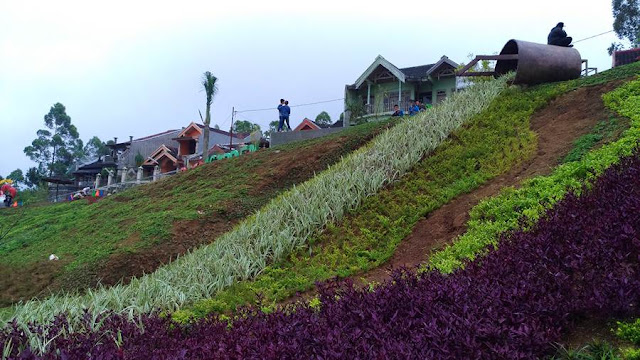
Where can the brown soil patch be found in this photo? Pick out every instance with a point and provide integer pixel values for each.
(278, 170)
(558, 125)
(36, 279)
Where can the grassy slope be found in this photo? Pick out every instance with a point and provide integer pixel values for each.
(489, 145)
(223, 192)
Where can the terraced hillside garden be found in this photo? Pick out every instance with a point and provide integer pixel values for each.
(135, 232)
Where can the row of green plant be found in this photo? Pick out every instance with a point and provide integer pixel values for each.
(85, 237)
(513, 207)
(282, 226)
(629, 331)
(490, 144)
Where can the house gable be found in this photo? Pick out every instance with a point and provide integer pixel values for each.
(378, 63)
(307, 124)
(192, 131)
(444, 67)
(162, 152)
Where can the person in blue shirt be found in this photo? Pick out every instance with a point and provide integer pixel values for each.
(397, 111)
(281, 111)
(415, 108)
(286, 113)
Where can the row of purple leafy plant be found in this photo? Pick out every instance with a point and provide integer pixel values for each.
(583, 257)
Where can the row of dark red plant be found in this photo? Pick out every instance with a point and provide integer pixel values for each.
(582, 258)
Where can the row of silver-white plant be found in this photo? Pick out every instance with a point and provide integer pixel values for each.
(283, 225)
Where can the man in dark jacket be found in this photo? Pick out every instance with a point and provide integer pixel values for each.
(559, 37)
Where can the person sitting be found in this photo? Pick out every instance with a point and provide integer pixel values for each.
(415, 108)
(559, 37)
(397, 111)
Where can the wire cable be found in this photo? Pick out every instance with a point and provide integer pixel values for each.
(307, 104)
(591, 37)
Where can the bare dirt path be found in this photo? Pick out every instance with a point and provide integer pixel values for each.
(560, 123)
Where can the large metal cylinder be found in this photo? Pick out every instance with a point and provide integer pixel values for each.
(539, 63)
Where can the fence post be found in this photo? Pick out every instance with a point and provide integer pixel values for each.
(110, 178)
(139, 175)
(156, 173)
(98, 177)
(124, 175)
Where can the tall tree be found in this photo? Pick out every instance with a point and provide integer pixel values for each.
(95, 148)
(626, 22)
(33, 178)
(323, 119)
(17, 177)
(56, 147)
(244, 126)
(211, 89)
(273, 127)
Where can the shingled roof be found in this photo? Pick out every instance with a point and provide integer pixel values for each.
(417, 72)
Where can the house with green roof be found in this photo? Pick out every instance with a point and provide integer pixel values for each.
(383, 85)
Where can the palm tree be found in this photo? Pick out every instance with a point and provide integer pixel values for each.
(209, 83)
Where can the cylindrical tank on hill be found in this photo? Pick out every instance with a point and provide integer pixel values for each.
(539, 63)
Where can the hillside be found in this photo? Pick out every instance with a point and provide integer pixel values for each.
(463, 197)
(136, 231)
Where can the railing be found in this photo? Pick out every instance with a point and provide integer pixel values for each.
(109, 189)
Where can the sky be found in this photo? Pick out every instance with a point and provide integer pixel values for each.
(134, 68)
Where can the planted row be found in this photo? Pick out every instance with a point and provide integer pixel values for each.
(515, 207)
(488, 145)
(581, 257)
(281, 226)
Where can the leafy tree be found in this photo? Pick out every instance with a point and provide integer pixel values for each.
(95, 148)
(34, 177)
(139, 159)
(57, 146)
(626, 24)
(17, 176)
(273, 127)
(245, 126)
(323, 119)
(211, 89)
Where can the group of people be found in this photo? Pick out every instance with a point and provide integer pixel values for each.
(414, 109)
(9, 193)
(284, 111)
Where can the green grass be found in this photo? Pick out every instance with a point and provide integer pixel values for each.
(515, 208)
(603, 132)
(489, 145)
(83, 235)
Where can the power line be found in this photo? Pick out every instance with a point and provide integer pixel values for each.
(271, 108)
(591, 37)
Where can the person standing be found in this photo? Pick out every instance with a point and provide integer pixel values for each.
(557, 36)
(281, 112)
(287, 112)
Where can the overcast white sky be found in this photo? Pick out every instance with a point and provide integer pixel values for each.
(134, 67)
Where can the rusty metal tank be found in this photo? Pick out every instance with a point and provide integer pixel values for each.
(539, 63)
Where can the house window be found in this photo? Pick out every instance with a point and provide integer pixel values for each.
(441, 95)
(391, 99)
(427, 97)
